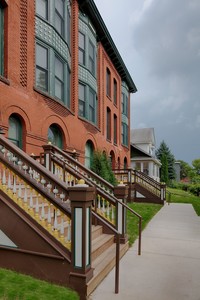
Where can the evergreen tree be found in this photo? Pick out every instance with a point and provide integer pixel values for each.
(167, 159)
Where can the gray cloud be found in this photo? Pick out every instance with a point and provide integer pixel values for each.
(159, 40)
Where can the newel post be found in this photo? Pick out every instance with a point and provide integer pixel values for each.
(48, 149)
(121, 193)
(81, 197)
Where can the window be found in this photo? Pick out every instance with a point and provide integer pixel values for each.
(59, 79)
(54, 71)
(55, 136)
(124, 134)
(59, 16)
(15, 130)
(89, 149)
(81, 48)
(108, 124)
(82, 100)
(1, 40)
(108, 77)
(124, 104)
(91, 58)
(115, 129)
(87, 103)
(92, 99)
(42, 68)
(115, 92)
(42, 8)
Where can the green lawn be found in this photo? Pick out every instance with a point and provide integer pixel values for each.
(180, 196)
(14, 286)
(147, 211)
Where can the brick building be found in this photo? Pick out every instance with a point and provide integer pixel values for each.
(63, 80)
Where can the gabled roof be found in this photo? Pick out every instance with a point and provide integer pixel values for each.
(143, 136)
(89, 7)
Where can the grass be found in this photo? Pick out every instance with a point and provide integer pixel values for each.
(16, 286)
(147, 211)
(180, 196)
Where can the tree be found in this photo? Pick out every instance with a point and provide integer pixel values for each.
(196, 165)
(167, 159)
(101, 165)
(185, 169)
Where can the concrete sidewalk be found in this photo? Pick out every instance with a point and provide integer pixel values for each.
(169, 267)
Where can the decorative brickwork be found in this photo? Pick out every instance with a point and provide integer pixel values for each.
(23, 43)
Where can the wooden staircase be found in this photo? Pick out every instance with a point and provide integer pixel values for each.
(103, 256)
(37, 219)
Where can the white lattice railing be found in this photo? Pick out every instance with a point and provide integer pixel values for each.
(36, 191)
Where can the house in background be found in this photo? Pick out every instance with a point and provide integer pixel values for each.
(143, 157)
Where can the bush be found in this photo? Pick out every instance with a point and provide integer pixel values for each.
(101, 165)
(194, 189)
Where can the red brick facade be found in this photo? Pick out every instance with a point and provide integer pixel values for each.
(37, 111)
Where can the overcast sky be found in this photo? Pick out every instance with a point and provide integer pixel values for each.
(159, 41)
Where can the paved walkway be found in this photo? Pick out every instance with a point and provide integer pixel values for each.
(169, 267)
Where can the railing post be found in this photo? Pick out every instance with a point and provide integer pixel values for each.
(47, 156)
(163, 191)
(81, 197)
(121, 193)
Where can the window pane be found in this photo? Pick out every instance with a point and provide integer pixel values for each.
(41, 57)
(82, 92)
(91, 58)
(59, 7)
(81, 48)
(59, 24)
(41, 79)
(58, 89)
(55, 136)
(59, 69)
(81, 108)
(81, 40)
(41, 8)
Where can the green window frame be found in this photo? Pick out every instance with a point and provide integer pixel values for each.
(87, 103)
(55, 136)
(91, 57)
(81, 49)
(15, 131)
(60, 17)
(52, 74)
(59, 78)
(124, 132)
(82, 100)
(124, 103)
(1, 40)
(42, 67)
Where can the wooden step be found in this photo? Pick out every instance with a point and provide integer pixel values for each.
(96, 231)
(101, 244)
(103, 264)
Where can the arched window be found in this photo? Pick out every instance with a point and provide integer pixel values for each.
(89, 149)
(125, 163)
(15, 130)
(112, 159)
(118, 163)
(55, 136)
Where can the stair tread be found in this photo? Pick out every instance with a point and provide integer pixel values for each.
(98, 241)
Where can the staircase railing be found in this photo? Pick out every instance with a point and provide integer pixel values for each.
(106, 205)
(130, 176)
(36, 190)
